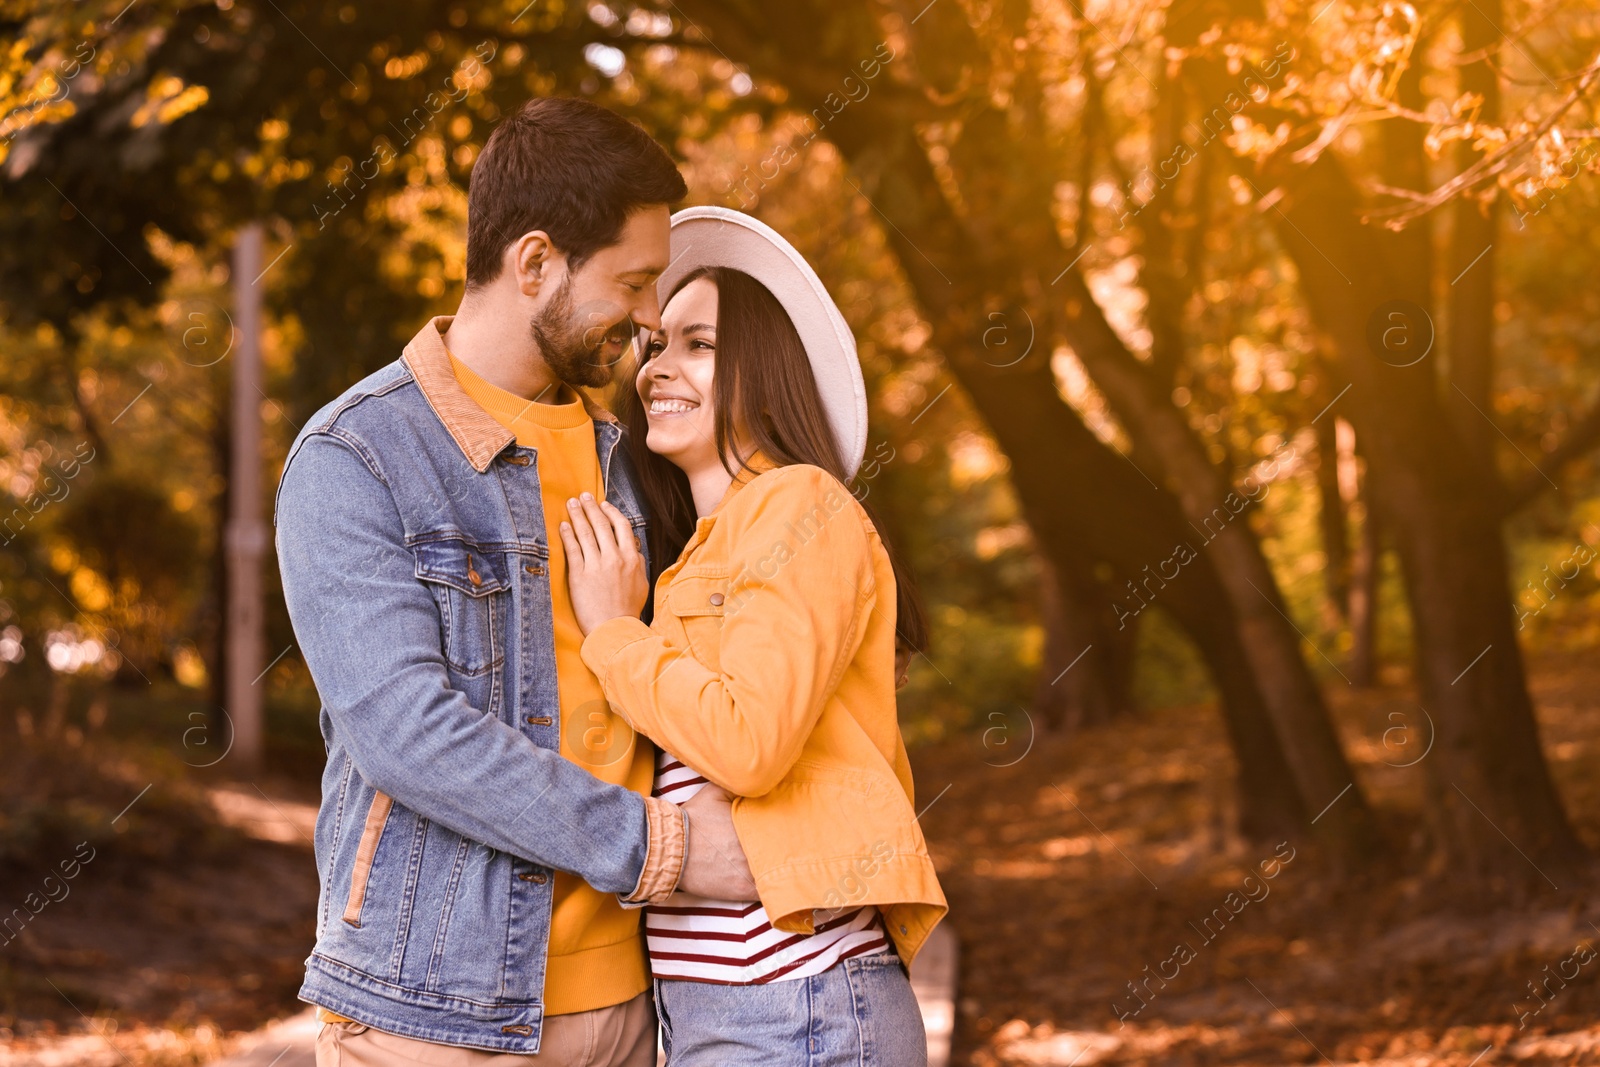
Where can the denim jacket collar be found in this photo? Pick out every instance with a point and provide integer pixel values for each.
(473, 429)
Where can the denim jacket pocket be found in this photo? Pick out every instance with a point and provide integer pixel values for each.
(471, 585)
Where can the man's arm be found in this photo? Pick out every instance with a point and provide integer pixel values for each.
(370, 634)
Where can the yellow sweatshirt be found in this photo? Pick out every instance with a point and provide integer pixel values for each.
(596, 950)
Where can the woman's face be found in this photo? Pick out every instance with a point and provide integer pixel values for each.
(675, 378)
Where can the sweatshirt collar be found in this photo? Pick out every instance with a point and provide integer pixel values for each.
(477, 433)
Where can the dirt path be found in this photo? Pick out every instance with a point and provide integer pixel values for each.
(201, 967)
(1075, 873)
(168, 965)
(1107, 914)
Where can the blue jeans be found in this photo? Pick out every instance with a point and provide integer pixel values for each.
(860, 1013)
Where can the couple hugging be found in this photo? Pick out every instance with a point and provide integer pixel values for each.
(608, 696)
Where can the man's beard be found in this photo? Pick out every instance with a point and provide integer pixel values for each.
(574, 352)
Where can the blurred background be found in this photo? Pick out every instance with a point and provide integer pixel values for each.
(1233, 369)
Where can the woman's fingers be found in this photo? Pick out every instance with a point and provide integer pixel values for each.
(569, 542)
(621, 527)
(601, 530)
(583, 529)
(599, 526)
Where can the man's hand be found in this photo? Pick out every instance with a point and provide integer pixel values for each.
(714, 865)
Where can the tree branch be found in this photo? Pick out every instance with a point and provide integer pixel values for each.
(1491, 165)
(1581, 439)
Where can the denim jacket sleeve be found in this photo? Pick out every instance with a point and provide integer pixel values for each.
(369, 631)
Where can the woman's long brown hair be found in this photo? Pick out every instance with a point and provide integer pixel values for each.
(764, 385)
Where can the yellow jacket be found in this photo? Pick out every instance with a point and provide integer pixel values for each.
(769, 669)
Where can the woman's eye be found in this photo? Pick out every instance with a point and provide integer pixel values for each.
(652, 349)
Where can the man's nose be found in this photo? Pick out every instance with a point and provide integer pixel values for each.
(647, 312)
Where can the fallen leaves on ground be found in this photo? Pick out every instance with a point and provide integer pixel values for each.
(1109, 914)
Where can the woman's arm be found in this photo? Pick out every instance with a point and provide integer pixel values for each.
(801, 582)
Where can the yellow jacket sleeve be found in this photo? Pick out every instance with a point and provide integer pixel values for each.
(799, 585)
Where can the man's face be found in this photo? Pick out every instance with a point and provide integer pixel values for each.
(586, 325)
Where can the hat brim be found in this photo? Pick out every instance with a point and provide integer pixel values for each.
(721, 237)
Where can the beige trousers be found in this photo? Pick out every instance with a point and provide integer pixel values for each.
(620, 1036)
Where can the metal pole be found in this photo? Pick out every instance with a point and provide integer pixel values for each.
(246, 535)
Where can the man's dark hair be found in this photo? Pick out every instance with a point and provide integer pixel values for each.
(568, 167)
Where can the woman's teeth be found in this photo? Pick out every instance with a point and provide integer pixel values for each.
(671, 407)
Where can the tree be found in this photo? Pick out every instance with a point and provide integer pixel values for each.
(1018, 164)
(1004, 249)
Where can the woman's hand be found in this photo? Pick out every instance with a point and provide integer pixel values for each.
(605, 570)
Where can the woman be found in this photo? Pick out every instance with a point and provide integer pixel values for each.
(770, 667)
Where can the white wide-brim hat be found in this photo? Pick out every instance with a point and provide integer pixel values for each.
(722, 237)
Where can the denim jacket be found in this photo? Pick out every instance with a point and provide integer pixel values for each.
(411, 538)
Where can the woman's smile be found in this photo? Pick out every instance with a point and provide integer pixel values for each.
(664, 406)
(676, 383)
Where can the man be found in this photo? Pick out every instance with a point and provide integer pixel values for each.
(486, 831)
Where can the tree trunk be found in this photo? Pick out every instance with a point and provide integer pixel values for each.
(1364, 564)
(214, 610)
(1490, 779)
(1217, 513)
(1086, 666)
(1056, 465)
(1213, 512)
(1333, 518)
(1472, 256)
(1141, 397)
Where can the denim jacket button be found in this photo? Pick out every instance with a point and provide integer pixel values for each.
(539, 720)
(536, 877)
(716, 600)
(525, 1031)
(534, 569)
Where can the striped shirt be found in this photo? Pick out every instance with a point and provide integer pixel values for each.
(733, 943)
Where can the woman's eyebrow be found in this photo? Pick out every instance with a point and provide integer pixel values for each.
(692, 327)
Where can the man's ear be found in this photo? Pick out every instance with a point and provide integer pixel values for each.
(531, 259)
